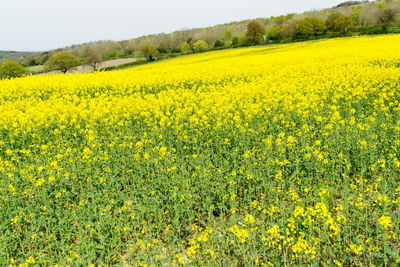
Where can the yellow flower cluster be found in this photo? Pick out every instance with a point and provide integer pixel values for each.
(274, 155)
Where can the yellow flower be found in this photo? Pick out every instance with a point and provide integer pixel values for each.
(249, 219)
(31, 260)
(241, 234)
(385, 221)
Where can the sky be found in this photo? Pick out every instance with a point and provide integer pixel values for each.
(39, 25)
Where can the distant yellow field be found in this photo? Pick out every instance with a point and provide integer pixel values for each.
(275, 155)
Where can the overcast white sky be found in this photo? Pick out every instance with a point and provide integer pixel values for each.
(35, 25)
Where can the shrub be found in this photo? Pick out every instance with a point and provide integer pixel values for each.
(11, 69)
(200, 46)
(235, 41)
(185, 47)
(113, 54)
(219, 43)
(162, 50)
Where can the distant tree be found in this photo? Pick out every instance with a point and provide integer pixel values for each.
(126, 47)
(349, 3)
(200, 46)
(386, 16)
(290, 29)
(62, 61)
(228, 34)
(339, 22)
(149, 51)
(235, 41)
(368, 14)
(311, 26)
(185, 47)
(255, 32)
(32, 62)
(278, 30)
(92, 58)
(219, 43)
(11, 69)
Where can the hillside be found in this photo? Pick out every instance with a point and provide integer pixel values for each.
(278, 155)
(280, 29)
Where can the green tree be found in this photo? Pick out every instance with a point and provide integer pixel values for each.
(185, 47)
(235, 41)
(228, 34)
(255, 32)
(200, 46)
(278, 30)
(386, 16)
(311, 26)
(149, 51)
(339, 22)
(92, 58)
(62, 61)
(11, 69)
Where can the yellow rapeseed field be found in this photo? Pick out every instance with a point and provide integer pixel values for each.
(283, 155)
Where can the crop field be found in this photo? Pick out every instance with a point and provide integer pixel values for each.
(271, 156)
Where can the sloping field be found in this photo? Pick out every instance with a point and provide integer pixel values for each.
(279, 155)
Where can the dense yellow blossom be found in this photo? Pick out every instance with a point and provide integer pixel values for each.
(274, 155)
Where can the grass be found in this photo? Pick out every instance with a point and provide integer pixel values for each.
(35, 69)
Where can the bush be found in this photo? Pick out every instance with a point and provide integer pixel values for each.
(331, 34)
(185, 47)
(11, 69)
(370, 30)
(162, 50)
(113, 54)
(235, 41)
(219, 43)
(62, 61)
(200, 46)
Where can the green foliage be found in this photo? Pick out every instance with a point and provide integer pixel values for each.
(11, 69)
(387, 16)
(113, 54)
(311, 26)
(235, 41)
(62, 61)
(200, 46)
(370, 30)
(149, 51)
(339, 22)
(162, 50)
(228, 34)
(278, 30)
(185, 47)
(218, 44)
(255, 32)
